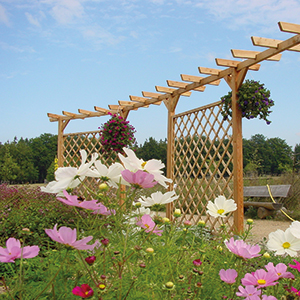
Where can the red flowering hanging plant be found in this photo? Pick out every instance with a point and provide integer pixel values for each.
(116, 133)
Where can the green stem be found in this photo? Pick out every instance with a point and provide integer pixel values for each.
(6, 288)
(85, 266)
(51, 281)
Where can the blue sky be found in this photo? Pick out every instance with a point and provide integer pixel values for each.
(60, 55)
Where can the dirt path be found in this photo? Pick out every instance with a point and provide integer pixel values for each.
(262, 228)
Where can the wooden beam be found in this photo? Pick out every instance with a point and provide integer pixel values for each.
(180, 84)
(234, 63)
(195, 79)
(151, 95)
(291, 42)
(100, 109)
(170, 91)
(252, 54)
(208, 71)
(69, 114)
(127, 104)
(270, 43)
(289, 27)
(142, 100)
(117, 108)
(90, 113)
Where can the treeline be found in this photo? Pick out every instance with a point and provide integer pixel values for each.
(31, 160)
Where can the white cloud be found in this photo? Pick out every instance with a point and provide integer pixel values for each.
(65, 11)
(32, 20)
(3, 16)
(255, 12)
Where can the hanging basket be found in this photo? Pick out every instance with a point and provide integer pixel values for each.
(253, 100)
(116, 133)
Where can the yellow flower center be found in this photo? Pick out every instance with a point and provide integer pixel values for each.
(261, 281)
(86, 293)
(220, 211)
(286, 245)
(144, 164)
(147, 225)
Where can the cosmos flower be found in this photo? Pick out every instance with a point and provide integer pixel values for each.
(84, 291)
(70, 177)
(242, 249)
(283, 242)
(280, 270)
(139, 179)
(158, 198)
(250, 292)
(148, 224)
(295, 229)
(228, 275)
(73, 201)
(296, 266)
(153, 166)
(14, 250)
(260, 278)
(221, 207)
(67, 236)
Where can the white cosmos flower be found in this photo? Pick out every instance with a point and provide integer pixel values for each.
(158, 198)
(111, 175)
(152, 166)
(295, 229)
(221, 207)
(283, 242)
(70, 177)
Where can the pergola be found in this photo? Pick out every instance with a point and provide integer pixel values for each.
(234, 74)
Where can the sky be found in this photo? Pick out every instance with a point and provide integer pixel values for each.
(65, 55)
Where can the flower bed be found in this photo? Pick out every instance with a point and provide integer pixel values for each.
(119, 248)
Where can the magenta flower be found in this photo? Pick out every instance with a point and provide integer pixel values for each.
(90, 259)
(241, 249)
(147, 223)
(294, 290)
(139, 179)
(67, 236)
(228, 275)
(197, 262)
(250, 292)
(13, 251)
(73, 201)
(84, 291)
(296, 266)
(260, 278)
(280, 270)
(103, 210)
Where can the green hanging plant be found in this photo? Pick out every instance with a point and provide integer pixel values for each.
(116, 133)
(253, 100)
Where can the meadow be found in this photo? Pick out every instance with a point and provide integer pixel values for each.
(118, 247)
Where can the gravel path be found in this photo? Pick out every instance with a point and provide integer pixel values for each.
(262, 228)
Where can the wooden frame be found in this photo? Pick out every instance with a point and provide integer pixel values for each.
(234, 74)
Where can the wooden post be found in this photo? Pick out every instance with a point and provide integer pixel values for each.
(171, 105)
(238, 193)
(60, 141)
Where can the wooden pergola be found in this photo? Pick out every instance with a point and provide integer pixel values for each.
(234, 74)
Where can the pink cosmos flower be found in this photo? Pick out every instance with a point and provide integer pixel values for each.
(294, 290)
(265, 297)
(103, 210)
(240, 248)
(228, 275)
(147, 223)
(73, 201)
(297, 266)
(139, 179)
(250, 292)
(84, 291)
(280, 270)
(13, 250)
(67, 236)
(260, 278)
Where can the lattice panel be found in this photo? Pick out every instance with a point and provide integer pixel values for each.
(203, 162)
(90, 142)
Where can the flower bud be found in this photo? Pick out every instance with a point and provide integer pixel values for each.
(177, 213)
(266, 255)
(90, 259)
(166, 220)
(150, 250)
(103, 187)
(201, 223)
(105, 242)
(138, 204)
(249, 221)
(187, 223)
(169, 285)
(101, 286)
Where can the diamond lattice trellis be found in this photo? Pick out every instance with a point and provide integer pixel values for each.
(202, 162)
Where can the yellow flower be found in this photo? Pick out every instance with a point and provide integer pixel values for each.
(177, 213)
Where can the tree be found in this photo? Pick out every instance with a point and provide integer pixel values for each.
(9, 169)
